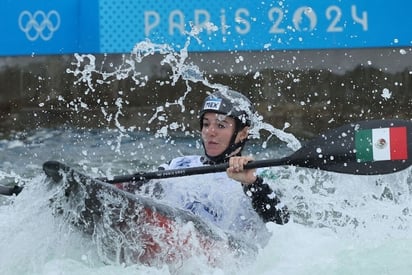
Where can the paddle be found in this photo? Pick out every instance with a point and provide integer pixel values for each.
(333, 151)
(8, 191)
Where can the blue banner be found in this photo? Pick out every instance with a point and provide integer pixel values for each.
(38, 27)
(112, 26)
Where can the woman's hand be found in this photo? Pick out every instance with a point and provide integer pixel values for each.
(238, 173)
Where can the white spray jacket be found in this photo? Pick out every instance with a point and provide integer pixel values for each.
(215, 198)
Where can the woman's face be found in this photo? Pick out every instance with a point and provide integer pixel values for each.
(217, 132)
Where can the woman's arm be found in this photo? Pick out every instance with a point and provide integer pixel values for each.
(266, 203)
(264, 200)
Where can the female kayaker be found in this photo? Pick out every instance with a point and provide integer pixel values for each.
(236, 200)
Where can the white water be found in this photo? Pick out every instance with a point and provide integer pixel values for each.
(341, 224)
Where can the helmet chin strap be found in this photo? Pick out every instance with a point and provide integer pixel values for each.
(225, 155)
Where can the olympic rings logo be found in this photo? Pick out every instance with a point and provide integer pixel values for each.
(39, 24)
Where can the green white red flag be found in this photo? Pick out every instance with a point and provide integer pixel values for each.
(381, 144)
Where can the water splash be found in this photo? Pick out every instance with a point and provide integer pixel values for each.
(348, 216)
(367, 207)
(86, 70)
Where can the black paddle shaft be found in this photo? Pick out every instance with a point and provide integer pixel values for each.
(333, 151)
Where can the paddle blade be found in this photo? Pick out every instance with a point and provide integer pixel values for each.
(364, 148)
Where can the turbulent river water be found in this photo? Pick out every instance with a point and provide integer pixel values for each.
(341, 224)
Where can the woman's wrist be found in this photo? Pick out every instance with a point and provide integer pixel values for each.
(258, 180)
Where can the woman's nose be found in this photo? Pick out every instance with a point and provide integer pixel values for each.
(211, 130)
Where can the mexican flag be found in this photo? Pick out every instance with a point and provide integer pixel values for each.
(381, 144)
